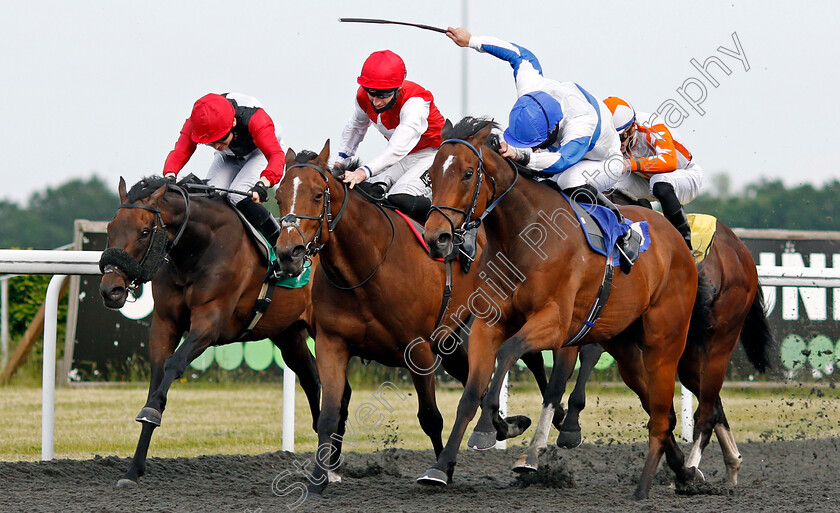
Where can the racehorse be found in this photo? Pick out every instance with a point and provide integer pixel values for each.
(206, 278)
(377, 295)
(736, 309)
(557, 281)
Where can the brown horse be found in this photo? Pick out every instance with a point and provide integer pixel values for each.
(377, 295)
(557, 281)
(736, 310)
(207, 276)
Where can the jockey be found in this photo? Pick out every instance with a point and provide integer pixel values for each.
(405, 113)
(661, 168)
(248, 153)
(557, 129)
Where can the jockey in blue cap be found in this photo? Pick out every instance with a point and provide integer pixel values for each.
(559, 130)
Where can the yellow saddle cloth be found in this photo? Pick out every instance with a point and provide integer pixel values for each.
(703, 228)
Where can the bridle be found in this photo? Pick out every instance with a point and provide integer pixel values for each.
(469, 223)
(312, 247)
(119, 261)
(291, 220)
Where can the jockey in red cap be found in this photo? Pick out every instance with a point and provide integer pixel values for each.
(248, 157)
(405, 113)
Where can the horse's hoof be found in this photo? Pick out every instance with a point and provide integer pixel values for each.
(314, 491)
(698, 475)
(516, 425)
(482, 441)
(333, 477)
(433, 477)
(569, 439)
(126, 483)
(526, 463)
(149, 415)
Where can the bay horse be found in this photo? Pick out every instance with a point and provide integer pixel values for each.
(206, 277)
(735, 310)
(644, 325)
(376, 294)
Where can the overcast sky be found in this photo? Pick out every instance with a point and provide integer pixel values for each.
(103, 87)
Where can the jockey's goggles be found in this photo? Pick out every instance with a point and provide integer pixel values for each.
(380, 93)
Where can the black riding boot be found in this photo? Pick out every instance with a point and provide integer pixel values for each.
(415, 207)
(628, 248)
(673, 210)
(261, 218)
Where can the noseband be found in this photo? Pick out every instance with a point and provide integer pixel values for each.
(116, 260)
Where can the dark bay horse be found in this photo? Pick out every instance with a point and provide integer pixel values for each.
(207, 276)
(736, 309)
(377, 295)
(557, 278)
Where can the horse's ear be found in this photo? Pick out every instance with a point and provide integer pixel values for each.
(324, 156)
(158, 194)
(290, 157)
(481, 136)
(446, 130)
(123, 193)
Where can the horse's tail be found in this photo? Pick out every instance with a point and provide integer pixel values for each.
(700, 327)
(756, 335)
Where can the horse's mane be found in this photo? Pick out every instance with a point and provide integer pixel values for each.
(470, 126)
(145, 187)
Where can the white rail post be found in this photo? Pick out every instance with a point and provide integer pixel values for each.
(288, 408)
(48, 380)
(687, 414)
(503, 400)
(4, 323)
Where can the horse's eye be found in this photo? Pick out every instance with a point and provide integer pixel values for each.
(319, 196)
(468, 174)
(145, 233)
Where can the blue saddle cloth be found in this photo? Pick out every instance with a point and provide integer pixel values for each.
(608, 229)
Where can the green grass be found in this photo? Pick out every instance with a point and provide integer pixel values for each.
(231, 419)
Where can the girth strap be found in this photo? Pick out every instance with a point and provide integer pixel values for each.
(597, 308)
(447, 292)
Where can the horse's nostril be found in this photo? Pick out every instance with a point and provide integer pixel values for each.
(297, 252)
(444, 238)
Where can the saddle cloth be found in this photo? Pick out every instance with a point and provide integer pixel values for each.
(703, 227)
(269, 257)
(602, 229)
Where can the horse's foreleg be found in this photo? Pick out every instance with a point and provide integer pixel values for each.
(296, 354)
(427, 410)
(534, 362)
(483, 345)
(194, 344)
(540, 331)
(564, 364)
(660, 360)
(162, 341)
(332, 358)
(569, 436)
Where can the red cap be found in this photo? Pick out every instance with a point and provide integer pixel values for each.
(211, 118)
(382, 70)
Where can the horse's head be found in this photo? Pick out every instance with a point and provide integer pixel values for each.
(137, 241)
(304, 201)
(461, 186)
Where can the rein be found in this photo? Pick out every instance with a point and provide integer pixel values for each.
(313, 247)
(470, 223)
(114, 260)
